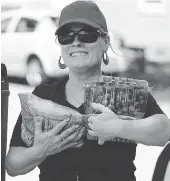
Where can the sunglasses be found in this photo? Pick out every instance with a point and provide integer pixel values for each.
(84, 35)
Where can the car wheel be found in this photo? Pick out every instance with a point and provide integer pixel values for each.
(35, 74)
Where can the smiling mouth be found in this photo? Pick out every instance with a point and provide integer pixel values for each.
(77, 54)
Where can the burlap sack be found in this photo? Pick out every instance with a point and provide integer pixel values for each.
(52, 113)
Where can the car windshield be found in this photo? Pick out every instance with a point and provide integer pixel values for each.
(26, 25)
(54, 20)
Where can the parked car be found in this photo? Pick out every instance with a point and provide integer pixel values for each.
(29, 49)
(158, 58)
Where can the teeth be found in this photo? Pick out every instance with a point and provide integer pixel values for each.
(76, 54)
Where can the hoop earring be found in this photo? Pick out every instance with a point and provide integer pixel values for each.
(61, 65)
(105, 59)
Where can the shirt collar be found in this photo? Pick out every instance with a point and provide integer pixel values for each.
(59, 94)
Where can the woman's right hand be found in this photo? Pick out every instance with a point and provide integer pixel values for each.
(56, 140)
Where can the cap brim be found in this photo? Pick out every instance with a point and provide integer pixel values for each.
(78, 20)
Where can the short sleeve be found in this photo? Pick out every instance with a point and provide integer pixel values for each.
(152, 107)
(16, 139)
(43, 91)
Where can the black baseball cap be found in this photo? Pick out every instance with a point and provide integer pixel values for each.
(82, 12)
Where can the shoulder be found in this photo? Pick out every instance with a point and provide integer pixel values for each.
(46, 90)
(152, 106)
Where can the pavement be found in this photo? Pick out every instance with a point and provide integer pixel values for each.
(146, 156)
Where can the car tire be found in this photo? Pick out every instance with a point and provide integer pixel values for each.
(35, 74)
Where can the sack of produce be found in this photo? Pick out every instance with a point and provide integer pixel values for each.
(52, 113)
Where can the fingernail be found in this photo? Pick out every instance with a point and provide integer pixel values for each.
(76, 126)
(78, 142)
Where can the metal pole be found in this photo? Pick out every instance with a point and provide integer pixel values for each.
(4, 117)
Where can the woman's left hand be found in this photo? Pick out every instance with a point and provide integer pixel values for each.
(106, 125)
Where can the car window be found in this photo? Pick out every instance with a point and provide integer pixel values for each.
(5, 24)
(55, 20)
(26, 25)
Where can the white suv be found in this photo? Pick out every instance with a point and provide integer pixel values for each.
(29, 49)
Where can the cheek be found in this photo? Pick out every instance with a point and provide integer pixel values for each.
(64, 53)
(97, 51)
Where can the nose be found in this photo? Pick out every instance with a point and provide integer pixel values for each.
(76, 42)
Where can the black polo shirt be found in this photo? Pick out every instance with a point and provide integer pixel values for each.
(112, 161)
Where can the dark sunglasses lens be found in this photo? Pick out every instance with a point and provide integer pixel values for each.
(84, 36)
(88, 36)
(65, 39)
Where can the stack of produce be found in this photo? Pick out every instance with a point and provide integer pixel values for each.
(124, 96)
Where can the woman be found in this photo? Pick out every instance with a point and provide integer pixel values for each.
(83, 37)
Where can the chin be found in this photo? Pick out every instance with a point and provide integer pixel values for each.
(79, 63)
(81, 58)
(79, 68)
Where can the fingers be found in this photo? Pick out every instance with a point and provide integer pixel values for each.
(59, 127)
(61, 147)
(93, 123)
(94, 119)
(69, 145)
(72, 140)
(38, 125)
(76, 135)
(101, 142)
(79, 144)
(92, 133)
(100, 107)
(68, 132)
(80, 134)
(126, 117)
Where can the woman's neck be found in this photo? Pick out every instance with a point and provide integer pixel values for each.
(74, 88)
